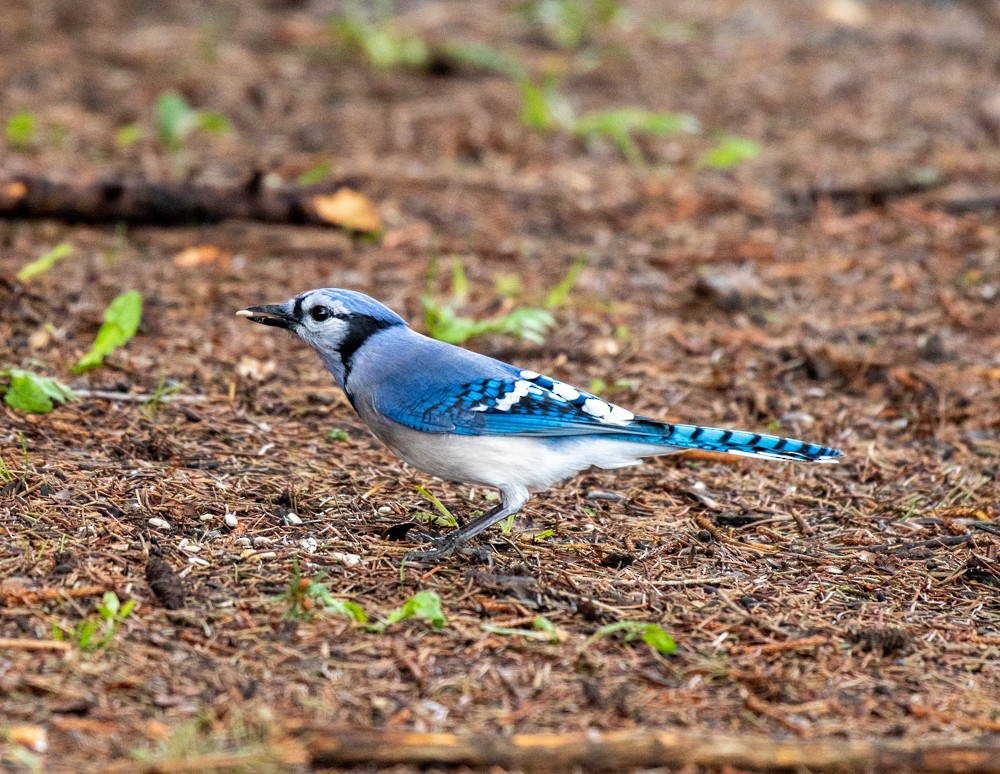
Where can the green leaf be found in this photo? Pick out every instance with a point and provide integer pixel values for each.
(658, 639)
(121, 321)
(730, 151)
(528, 634)
(20, 129)
(448, 519)
(128, 135)
(423, 604)
(346, 608)
(337, 435)
(33, 393)
(650, 633)
(481, 57)
(174, 119)
(559, 295)
(315, 174)
(542, 106)
(46, 262)
(618, 125)
(210, 121)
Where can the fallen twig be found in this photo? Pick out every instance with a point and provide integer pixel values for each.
(594, 750)
(169, 203)
(8, 643)
(132, 397)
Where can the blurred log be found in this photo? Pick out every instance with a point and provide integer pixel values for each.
(170, 203)
(622, 750)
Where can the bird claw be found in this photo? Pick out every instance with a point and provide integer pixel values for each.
(443, 547)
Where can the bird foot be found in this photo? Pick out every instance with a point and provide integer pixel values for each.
(443, 547)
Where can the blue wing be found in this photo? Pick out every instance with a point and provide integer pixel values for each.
(526, 404)
(530, 404)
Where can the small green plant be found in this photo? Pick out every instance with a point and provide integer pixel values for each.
(446, 519)
(444, 323)
(618, 125)
(121, 321)
(377, 38)
(478, 56)
(570, 23)
(507, 525)
(558, 296)
(6, 474)
(305, 595)
(542, 630)
(20, 129)
(128, 135)
(32, 393)
(97, 631)
(729, 151)
(337, 435)
(317, 173)
(176, 119)
(650, 633)
(423, 604)
(165, 388)
(43, 264)
(543, 106)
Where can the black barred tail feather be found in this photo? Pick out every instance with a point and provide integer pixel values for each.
(743, 443)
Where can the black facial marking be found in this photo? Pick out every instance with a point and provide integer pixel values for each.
(297, 313)
(359, 328)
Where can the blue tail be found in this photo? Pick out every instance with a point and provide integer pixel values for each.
(741, 442)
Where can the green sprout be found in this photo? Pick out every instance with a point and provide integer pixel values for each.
(43, 264)
(176, 119)
(121, 321)
(423, 604)
(650, 633)
(96, 632)
(32, 393)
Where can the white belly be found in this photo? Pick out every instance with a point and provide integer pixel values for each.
(506, 462)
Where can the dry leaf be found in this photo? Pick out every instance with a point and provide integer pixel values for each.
(349, 209)
(199, 255)
(252, 368)
(32, 737)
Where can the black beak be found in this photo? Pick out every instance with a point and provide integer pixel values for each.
(269, 314)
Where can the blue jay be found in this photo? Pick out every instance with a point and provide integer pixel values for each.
(466, 417)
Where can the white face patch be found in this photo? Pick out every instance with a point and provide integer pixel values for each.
(566, 391)
(514, 396)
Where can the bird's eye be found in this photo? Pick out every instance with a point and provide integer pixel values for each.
(320, 313)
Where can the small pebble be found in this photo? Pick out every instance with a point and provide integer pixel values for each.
(231, 520)
(292, 519)
(309, 544)
(267, 555)
(243, 541)
(159, 523)
(385, 510)
(351, 560)
(260, 540)
(206, 517)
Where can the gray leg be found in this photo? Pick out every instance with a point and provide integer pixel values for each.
(510, 502)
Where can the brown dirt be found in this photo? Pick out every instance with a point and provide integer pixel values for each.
(858, 600)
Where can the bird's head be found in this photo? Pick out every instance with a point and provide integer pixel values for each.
(332, 321)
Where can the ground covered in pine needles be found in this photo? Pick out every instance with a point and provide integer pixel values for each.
(840, 286)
